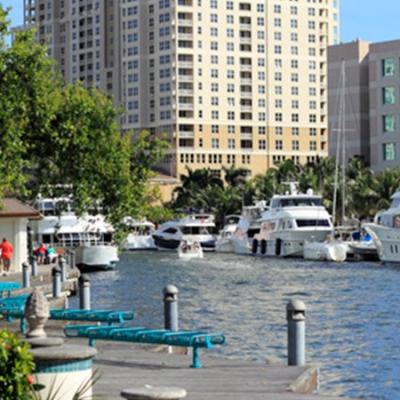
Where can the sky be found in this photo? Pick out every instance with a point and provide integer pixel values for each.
(370, 20)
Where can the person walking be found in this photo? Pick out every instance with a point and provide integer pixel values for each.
(7, 251)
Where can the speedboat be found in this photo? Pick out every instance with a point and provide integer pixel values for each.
(385, 231)
(247, 227)
(330, 250)
(224, 242)
(188, 250)
(291, 220)
(193, 228)
(89, 235)
(140, 235)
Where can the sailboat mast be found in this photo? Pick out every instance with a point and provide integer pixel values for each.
(343, 128)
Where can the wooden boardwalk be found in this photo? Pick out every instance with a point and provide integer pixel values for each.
(124, 365)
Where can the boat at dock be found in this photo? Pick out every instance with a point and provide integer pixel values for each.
(89, 235)
(248, 226)
(192, 228)
(140, 235)
(326, 251)
(291, 220)
(385, 231)
(224, 243)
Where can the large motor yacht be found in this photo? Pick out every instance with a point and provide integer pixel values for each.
(89, 235)
(385, 231)
(224, 242)
(291, 220)
(193, 228)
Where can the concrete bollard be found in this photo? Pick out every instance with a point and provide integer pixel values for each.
(34, 265)
(56, 272)
(296, 317)
(62, 264)
(171, 307)
(26, 278)
(154, 393)
(84, 292)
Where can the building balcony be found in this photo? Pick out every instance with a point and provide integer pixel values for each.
(246, 136)
(246, 67)
(245, 27)
(185, 78)
(186, 134)
(245, 81)
(185, 64)
(246, 95)
(185, 22)
(185, 106)
(185, 36)
(246, 108)
(245, 40)
(185, 92)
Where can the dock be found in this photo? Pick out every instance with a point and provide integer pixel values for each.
(124, 365)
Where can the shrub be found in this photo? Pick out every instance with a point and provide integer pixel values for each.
(16, 366)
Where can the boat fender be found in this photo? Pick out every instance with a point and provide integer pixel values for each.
(278, 247)
(263, 246)
(254, 246)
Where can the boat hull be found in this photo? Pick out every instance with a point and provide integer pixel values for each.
(172, 244)
(96, 257)
(327, 251)
(387, 242)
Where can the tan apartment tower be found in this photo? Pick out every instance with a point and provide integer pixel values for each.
(372, 113)
(229, 82)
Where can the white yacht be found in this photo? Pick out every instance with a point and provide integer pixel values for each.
(224, 242)
(140, 235)
(248, 226)
(291, 220)
(385, 231)
(193, 228)
(90, 236)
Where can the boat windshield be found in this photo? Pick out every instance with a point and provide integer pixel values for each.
(297, 202)
(196, 230)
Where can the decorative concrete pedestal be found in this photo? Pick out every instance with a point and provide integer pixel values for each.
(154, 393)
(63, 369)
(67, 367)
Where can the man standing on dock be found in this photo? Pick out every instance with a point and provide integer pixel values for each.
(6, 254)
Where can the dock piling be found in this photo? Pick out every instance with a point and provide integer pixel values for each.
(62, 264)
(84, 292)
(26, 279)
(34, 265)
(56, 272)
(295, 314)
(171, 307)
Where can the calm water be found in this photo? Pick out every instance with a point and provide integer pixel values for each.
(353, 318)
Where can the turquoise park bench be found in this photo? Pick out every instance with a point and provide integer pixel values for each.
(193, 339)
(8, 287)
(14, 307)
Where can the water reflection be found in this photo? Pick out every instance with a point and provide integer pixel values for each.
(352, 310)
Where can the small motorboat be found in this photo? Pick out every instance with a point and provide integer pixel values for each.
(325, 251)
(188, 250)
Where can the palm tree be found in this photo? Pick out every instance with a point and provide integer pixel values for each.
(387, 183)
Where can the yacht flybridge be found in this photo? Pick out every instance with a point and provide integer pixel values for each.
(89, 235)
(193, 228)
(291, 220)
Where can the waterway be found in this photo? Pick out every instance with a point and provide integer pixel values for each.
(353, 311)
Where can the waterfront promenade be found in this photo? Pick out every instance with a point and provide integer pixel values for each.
(125, 365)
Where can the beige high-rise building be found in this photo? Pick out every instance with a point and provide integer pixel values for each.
(372, 94)
(230, 82)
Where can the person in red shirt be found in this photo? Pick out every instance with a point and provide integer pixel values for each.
(7, 251)
(41, 253)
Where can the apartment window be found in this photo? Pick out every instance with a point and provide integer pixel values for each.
(231, 143)
(278, 117)
(388, 67)
(214, 114)
(295, 117)
(215, 143)
(278, 145)
(295, 131)
(313, 145)
(214, 129)
(389, 151)
(389, 95)
(261, 130)
(262, 144)
(295, 145)
(279, 130)
(389, 123)
(313, 131)
(277, 8)
(231, 129)
(293, 23)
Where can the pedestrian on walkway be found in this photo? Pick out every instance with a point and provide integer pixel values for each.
(7, 251)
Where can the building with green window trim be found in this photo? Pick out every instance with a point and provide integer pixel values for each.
(372, 101)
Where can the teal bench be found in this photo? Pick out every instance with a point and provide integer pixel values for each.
(14, 307)
(194, 339)
(8, 287)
